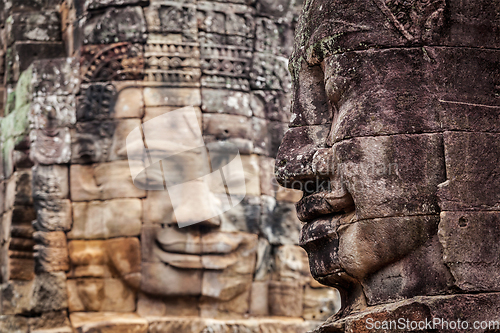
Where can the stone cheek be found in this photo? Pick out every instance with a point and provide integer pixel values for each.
(409, 95)
(103, 181)
(101, 141)
(381, 93)
(391, 175)
(470, 184)
(104, 275)
(401, 280)
(106, 219)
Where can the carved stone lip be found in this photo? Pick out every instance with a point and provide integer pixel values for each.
(318, 229)
(323, 228)
(334, 275)
(192, 261)
(216, 250)
(318, 204)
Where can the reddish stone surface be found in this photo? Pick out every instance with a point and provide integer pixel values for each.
(393, 142)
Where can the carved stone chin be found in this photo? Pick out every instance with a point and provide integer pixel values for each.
(219, 265)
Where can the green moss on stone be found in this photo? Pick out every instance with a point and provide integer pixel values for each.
(10, 104)
(24, 88)
(16, 124)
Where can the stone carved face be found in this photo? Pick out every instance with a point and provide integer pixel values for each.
(374, 144)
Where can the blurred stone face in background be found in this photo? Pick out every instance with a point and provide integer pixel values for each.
(229, 62)
(393, 140)
(102, 244)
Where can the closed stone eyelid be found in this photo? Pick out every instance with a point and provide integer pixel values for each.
(333, 97)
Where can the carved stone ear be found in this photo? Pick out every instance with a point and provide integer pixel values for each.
(96, 102)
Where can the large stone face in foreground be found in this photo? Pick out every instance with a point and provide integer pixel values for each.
(393, 140)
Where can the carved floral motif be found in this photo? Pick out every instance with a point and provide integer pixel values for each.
(115, 62)
(175, 63)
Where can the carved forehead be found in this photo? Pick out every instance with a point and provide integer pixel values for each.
(334, 26)
(329, 27)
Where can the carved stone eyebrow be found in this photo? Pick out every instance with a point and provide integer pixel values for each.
(321, 45)
(337, 32)
(335, 26)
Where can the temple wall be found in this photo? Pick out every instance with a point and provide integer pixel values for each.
(82, 248)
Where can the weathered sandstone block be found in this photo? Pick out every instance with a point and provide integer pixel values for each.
(103, 181)
(106, 219)
(108, 322)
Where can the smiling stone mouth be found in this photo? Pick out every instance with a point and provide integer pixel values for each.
(320, 204)
(215, 251)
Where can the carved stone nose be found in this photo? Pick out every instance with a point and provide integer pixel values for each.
(293, 169)
(295, 158)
